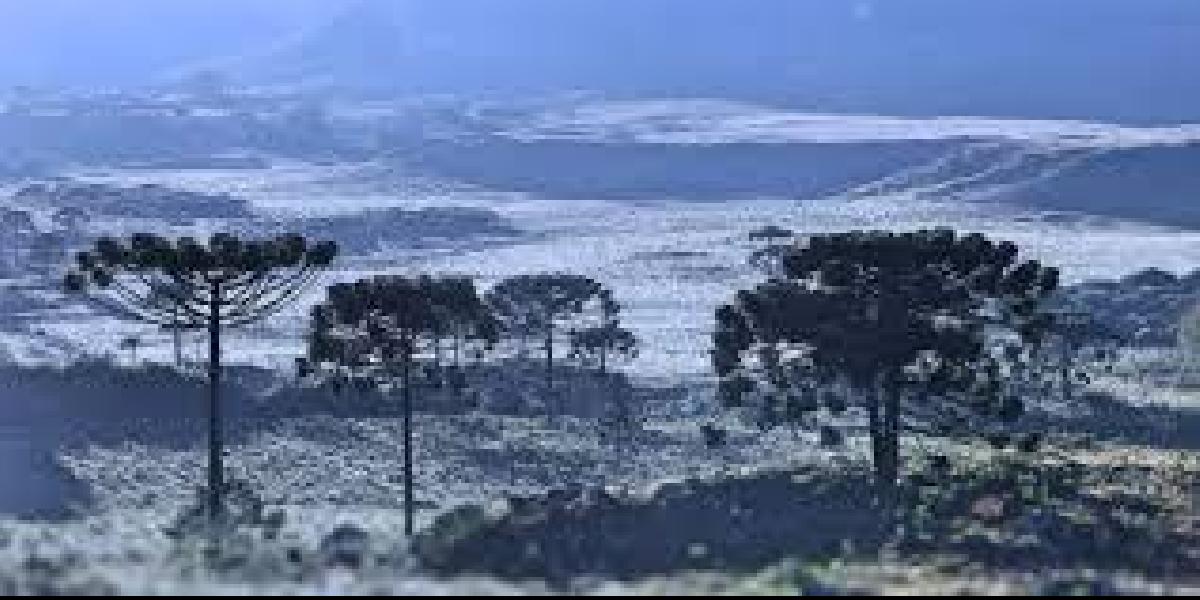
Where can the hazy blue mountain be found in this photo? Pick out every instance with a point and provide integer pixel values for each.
(1096, 59)
(1159, 184)
(1100, 59)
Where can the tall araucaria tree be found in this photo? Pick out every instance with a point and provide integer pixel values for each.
(184, 284)
(931, 313)
(376, 331)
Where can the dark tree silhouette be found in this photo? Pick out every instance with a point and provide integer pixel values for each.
(883, 314)
(597, 343)
(184, 284)
(463, 320)
(375, 330)
(544, 304)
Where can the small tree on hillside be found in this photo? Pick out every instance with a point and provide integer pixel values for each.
(544, 304)
(185, 284)
(884, 314)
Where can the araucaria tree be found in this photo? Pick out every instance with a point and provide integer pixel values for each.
(544, 305)
(377, 330)
(931, 314)
(188, 285)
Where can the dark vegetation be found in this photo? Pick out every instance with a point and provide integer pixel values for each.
(1024, 510)
(916, 317)
(734, 524)
(374, 330)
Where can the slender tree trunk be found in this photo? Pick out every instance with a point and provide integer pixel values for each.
(875, 427)
(216, 482)
(883, 416)
(457, 371)
(549, 359)
(437, 359)
(1065, 374)
(177, 345)
(408, 457)
(891, 422)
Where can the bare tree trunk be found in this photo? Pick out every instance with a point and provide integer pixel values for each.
(549, 359)
(215, 467)
(883, 412)
(437, 359)
(891, 423)
(408, 457)
(177, 345)
(875, 429)
(1065, 367)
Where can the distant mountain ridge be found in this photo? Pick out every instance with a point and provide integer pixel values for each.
(1031, 58)
(1107, 60)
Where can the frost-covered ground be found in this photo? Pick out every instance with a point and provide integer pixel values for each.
(714, 121)
(671, 263)
(327, 473)
(339, 462)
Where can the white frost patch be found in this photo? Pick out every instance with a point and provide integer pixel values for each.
(724, 122)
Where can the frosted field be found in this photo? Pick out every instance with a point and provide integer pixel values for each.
(355, 463)
(671, 263)
(716, 121)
